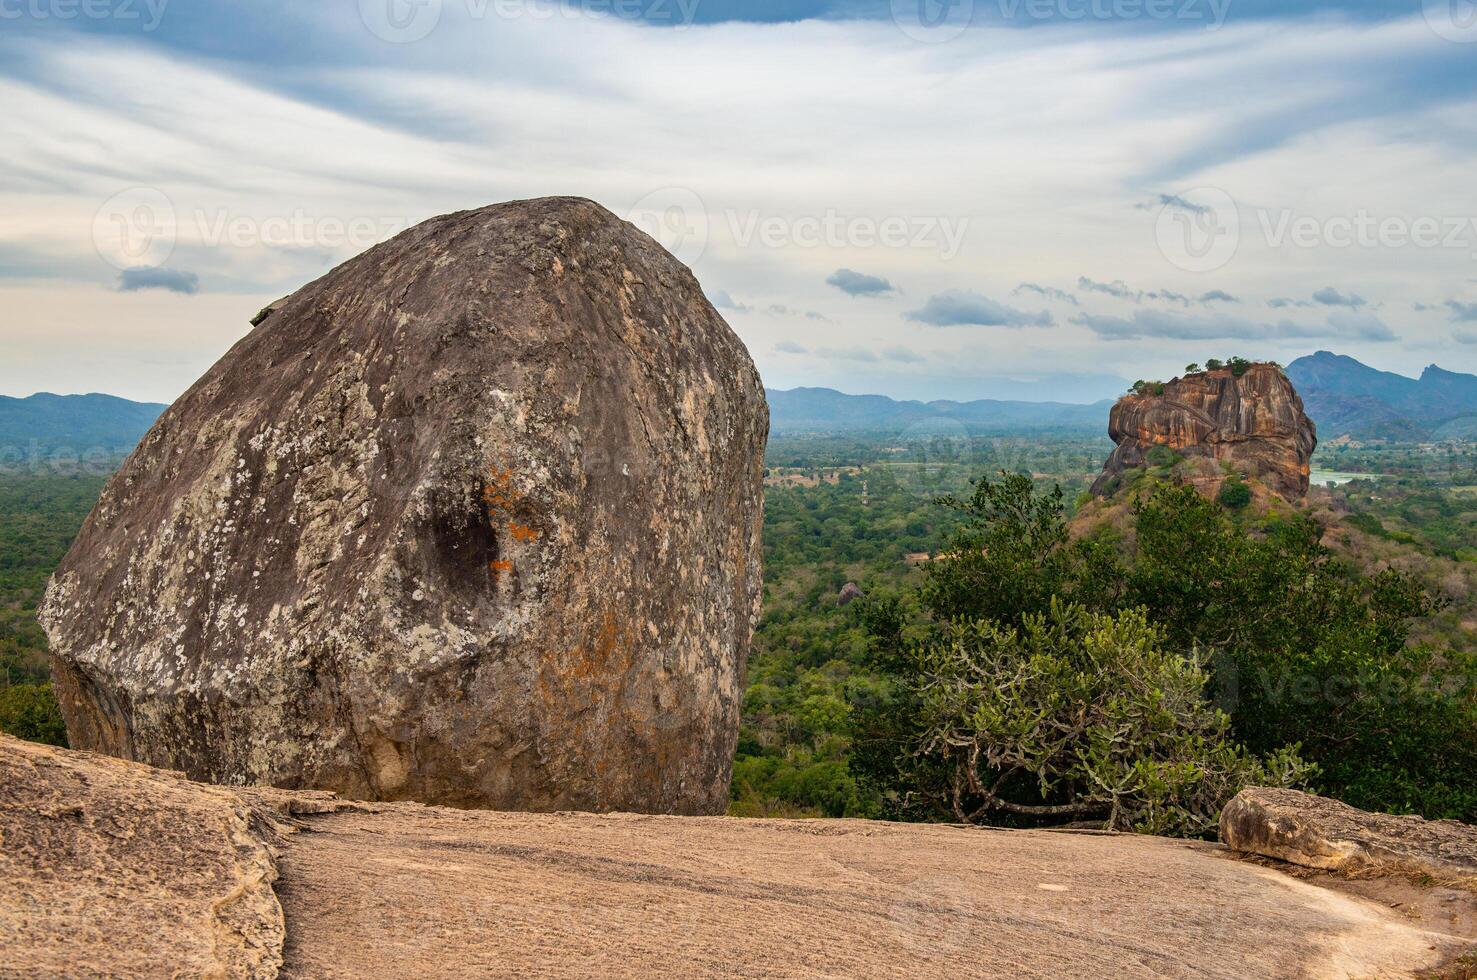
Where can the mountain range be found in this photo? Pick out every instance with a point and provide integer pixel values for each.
(44, 425)
(1343, 396)
(824, 410)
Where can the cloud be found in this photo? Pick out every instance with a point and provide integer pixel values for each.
(789, 347)
(1465, 336)
(859, 283)
(1117, 288)
(902, 355)
(1360, 326)
(1047, 292)
(158, 277)
(1121, 290)
(1282, 302)
(503, 93)
(723, 301)
(959, 308)
(1218, 296)
(847, 354)
(1186, 326)
(1176, 202)
(780, 309)
(1329, 296)
(1461, 312)
(1168, 296)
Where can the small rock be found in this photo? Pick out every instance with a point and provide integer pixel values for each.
(850, 592)
(1316, 832)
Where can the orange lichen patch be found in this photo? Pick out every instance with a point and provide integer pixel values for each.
(522, 532)
(498, 493)
(500, 565)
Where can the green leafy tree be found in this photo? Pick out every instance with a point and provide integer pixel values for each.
(1234, 493)
(1301, 648)
(29, 711)
(1081, 715)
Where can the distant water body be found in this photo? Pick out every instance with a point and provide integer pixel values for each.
(1320, 478)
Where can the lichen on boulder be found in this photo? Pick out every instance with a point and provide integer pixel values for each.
(473, 519)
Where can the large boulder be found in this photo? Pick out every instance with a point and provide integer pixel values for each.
(474, 519)
(1254, 422)
(1316, 832)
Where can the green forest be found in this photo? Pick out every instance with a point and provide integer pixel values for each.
(953, 630)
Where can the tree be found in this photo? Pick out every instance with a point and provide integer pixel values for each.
(1300, 649)
(29, 711)
(1192, 368)
(1234, 493)
(1214, 364)
(1082, 715)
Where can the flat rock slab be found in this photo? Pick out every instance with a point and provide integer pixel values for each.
(114, 869)
(411, 891)
(109, 868)
(1316, 832)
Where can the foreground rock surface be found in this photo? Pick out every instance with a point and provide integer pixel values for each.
(473, 519)
(1255, 423)
(113, 869)
(1316, 832)
(398, 889)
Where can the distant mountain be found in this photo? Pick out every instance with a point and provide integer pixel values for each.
(824, 410)
(47, 425)
(1346, 397)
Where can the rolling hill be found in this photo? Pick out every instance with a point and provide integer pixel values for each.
(824, 410)
(1347, 397)
(46, 425)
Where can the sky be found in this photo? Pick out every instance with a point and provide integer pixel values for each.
(1038, 199)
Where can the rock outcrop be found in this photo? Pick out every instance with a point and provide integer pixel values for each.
(111, 869)
(108, 869)
(473, 519)
(1316, 832)
(1254, 422)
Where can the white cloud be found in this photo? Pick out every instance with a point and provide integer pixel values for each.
(785, 122)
